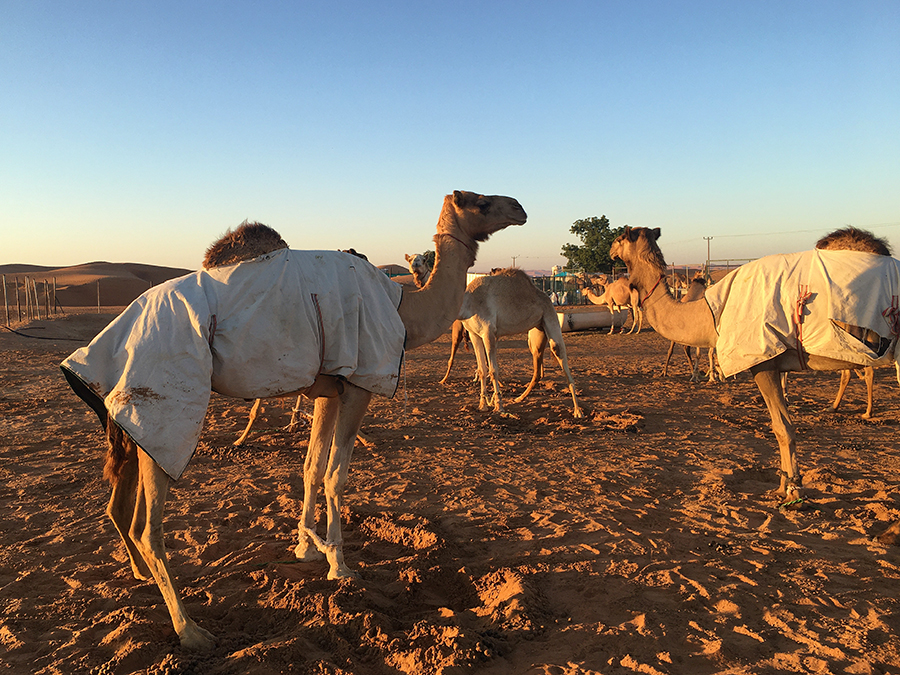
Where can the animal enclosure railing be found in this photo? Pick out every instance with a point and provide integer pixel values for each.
(29, 299)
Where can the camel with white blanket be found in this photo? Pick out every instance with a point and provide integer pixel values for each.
(777, 314)
(245, 327)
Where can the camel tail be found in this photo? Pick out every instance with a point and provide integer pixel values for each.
(120, 449)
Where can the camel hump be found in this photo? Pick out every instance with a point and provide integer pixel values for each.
(854, 239)
(248, 241)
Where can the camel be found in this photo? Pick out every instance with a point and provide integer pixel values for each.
(507, 303)
(696, 290)
(694, 323)
(618, 295)
(140, 484)
(420, 269)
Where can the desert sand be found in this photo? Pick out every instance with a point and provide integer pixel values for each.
(643, 538)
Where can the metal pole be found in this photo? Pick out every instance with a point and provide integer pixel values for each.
(18, 302)
(98, 296)
(708, 239)
(5, 304)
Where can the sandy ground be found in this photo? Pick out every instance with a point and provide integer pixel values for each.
(641, 539)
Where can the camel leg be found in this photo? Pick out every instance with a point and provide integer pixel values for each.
(665, 372)
(558, 349)
(481, 359)
(456, 338)
(353, 408)
(146, 531)
(254, 411)
(869, 377)
(694, 358)
(491, 347)
(770, 386)
(336, 423)
(120, 510)
(296, 412)
(325, 411)
(713, 369)
(845, 379)
(537, 342)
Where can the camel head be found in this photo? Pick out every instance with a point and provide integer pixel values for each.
(638, 244)
(416, 262)
(478, 216)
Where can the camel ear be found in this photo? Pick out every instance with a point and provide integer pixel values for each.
(460, 198)
(655, 233)
(406, 255)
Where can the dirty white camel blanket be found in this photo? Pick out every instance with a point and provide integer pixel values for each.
(259, 328)
(778, 302)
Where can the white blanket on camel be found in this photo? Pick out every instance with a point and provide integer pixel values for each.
(793, 301)
(255, 329)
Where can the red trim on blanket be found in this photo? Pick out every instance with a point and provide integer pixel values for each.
(802, 299)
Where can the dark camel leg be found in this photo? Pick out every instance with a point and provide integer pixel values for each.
(254, 411)
(457, 335)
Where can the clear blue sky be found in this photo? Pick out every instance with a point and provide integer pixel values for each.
(141, 131)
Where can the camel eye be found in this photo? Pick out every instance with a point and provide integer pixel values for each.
(483, 205)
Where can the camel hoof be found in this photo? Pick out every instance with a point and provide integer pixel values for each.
(304, 552)
(344, 573)
(196, 638)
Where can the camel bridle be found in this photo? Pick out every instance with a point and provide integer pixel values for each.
(642, 301)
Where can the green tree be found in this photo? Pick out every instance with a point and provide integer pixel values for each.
(596, 236)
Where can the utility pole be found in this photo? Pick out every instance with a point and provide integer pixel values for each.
(708, 239)
(514, 260)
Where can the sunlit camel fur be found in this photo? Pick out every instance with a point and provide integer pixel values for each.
(692, 323)
(618, 295)
(854, 239)
(508, 303)
(140, 485)
(695, 291)
(419, 268)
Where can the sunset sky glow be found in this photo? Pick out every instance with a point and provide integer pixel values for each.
(141, 131)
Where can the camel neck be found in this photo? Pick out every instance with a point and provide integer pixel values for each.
(428, 312)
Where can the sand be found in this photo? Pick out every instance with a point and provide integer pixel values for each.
(643, 538)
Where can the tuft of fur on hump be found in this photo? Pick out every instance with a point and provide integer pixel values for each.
(248, 241)
(854, 239)
(507, 272)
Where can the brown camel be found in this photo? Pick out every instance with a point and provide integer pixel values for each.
(693, 323)
(140, 484)
(618, 295)
(696, 290)
(508, 303)
(420, 269)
